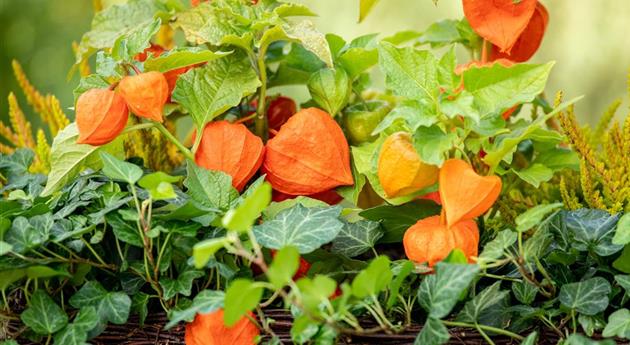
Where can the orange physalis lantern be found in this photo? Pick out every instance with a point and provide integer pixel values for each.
(154, 50)
(101, 115)
(400, 170)
(331, 197)
(529, 41)
(230, 148)
(499, 21)
(309, 155)
(460, 69)
(464, 193)
(209, 329)
(145, 94)
(430, 241)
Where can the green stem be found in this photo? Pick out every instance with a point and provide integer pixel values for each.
(483, 327)
(163, 247)
(137, 127)
(160, 127)
(260, 123)
(89, 247)
(484, 335)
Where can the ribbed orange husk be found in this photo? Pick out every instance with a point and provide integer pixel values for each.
(230, 148)
(309, 155)
(154, 50)
(400, 170)
(331, 197)
(529, 40)
(431, 241)
(209, 329)
(499, 21)
(145, 94)
(101, 115)
(465, 194)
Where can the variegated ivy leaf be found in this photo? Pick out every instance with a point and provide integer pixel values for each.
(587, 297)
(304, 228)
(43, 315)
(357, 238)
(205, 302)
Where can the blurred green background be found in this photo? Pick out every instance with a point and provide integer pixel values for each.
(589, 40)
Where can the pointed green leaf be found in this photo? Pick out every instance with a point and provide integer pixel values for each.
(43, 315)
(356, 238)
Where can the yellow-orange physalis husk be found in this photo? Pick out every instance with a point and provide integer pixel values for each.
(465, 194)
(145, 94)
(101, 115)
(209, 329)
(431, 241)
(309, 155)
(400, 170)
(230, 148)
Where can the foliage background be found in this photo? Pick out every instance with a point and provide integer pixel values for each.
(588, 40)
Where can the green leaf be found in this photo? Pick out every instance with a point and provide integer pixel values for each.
(125, 231)
(182, 57)
(534, 174)
(316, 290)
(330, 89)
(205, 302)
(618, 324)
(117, 169)
(39, 271)
(394, 287)
(26, 234)
(159, 185)
(203, 251)
(590, 324)
(43, 315)
(373, 279)
(587, 297)
(276, 207)
(182, 285)
(305, 228)
(592, 230)
(524, 292)
(114, 21)
(433, 333)
(432, 144)
(622, 234)
(311, 39)
(497, 88)
(356, 238)
(210, 188)
(241, 296)
(358, 60)
(409, 72)
(365, 6)
(76, 333)
(68, 158)
(135, 41)
(285, 264)
(110, 306)
(439, 292)
(5, 248)
(578, 339)
(534, 216)
(496, 248)
(208, 91)
(484, 300)
(412, 113)
(530, 339)
(623, 261)
(8, 277)
(397, 219)
(243, 217)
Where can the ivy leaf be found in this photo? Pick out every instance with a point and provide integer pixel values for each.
(497, 87)
(182, 57)
(43, 315)
(534, 216)
(587, 297)
(205, 302)
(330, 89)
(182, 285)
(26, 234)
(373, 279)
(397, 219)
(622, 234)
(16, 164)
(243, 217)
(124, 230)
(592, 229)
(356, 238)
(68, 158)
(487, 298)
(276, 207)
(438, 293)
(433, 333)
(110, 306)
(208, 91)
(5, 248)
(432, 144)
(623, 261)
(210, 188)
(409, 72)
(618, 324)
(496, 248)
(578, 339)
(241, 296)
(530, 339)
(305, 228)
(76, 333)
(524, 292)
(117, 169)
(285, 264)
